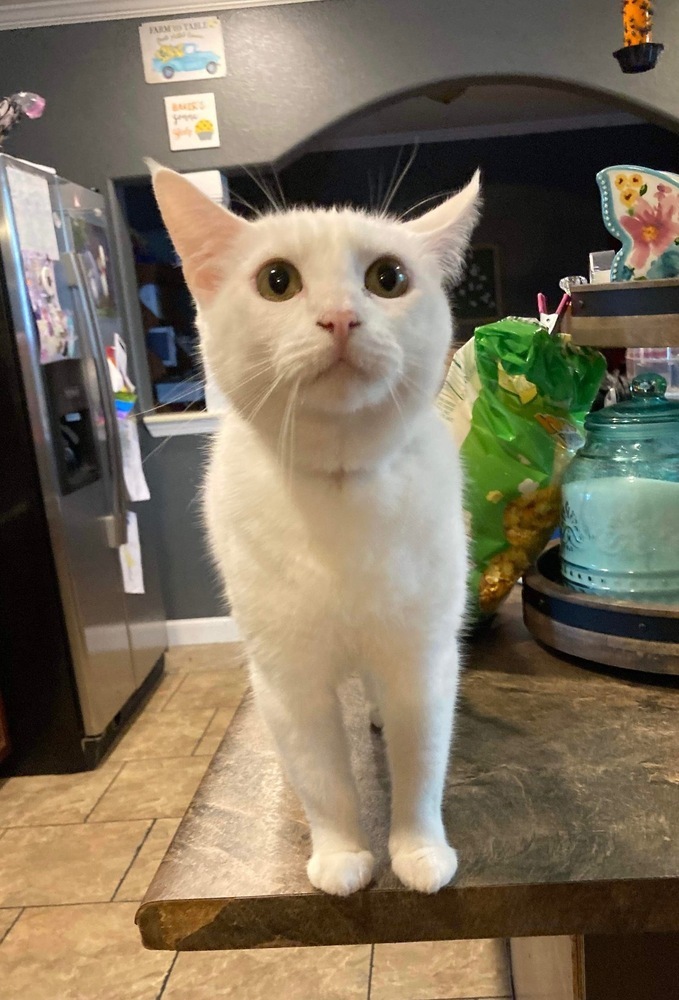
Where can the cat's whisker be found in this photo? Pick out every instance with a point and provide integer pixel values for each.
(267, 395)
(416, 387)
(155, 450)
(253, 366)
(285, 441)
(266, 191)
(393, 395)
(194, 384)
(417, 365)
(257, 212)
(279, 187)
(255, 372)
(195, 500)
(257, 399)
(396, 183)
(372, 199)
(252, 408)
(281, 431)
(382, 210)
(304, 361)
(249, 400)
(408, 380)
(420, 204)
(254, 397)
(292, 432)
(293, 424)
(300, 359)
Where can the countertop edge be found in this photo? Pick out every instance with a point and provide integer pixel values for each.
(618, 906)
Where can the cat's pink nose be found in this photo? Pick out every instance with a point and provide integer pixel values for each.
(339, 323)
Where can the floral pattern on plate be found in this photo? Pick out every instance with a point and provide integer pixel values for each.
(641, 208)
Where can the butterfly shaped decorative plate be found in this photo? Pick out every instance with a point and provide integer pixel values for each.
(641, 208)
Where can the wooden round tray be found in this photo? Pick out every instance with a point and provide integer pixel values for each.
(616, 633)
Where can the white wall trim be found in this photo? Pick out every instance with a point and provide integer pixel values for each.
(201, 631)
(38, 13)
(327, 142)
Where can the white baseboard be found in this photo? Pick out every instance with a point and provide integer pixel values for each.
(200, 631)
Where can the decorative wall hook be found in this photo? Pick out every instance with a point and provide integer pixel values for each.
(16, 107)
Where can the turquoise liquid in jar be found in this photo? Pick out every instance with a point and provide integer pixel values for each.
(620, 500)
(620, 538)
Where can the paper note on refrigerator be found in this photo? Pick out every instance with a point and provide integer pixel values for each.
(33, 212)
(133, 472)
(130, 558)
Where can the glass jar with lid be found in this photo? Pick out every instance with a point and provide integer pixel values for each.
(620, 507)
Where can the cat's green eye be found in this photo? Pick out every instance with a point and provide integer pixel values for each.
(278, 280)
(387, 277)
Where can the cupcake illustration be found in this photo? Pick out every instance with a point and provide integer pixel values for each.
(204, 129)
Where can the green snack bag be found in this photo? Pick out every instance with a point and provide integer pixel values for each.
(515, 398)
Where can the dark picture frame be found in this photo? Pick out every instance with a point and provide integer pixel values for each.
(477, 298)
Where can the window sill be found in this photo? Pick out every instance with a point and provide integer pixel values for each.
(164, 425)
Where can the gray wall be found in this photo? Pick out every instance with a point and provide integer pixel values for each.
(292, 72)
(174, 469)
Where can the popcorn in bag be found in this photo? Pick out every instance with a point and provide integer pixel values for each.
(515, 398)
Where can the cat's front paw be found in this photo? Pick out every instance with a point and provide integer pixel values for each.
(425, 867)
(340, 872)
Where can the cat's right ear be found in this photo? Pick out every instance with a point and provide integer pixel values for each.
(448, 227)
(202, 232)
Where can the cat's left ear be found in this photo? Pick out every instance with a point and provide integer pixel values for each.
(202, 231)
(448, 227)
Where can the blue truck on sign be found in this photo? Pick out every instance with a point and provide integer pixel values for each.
(185, 58)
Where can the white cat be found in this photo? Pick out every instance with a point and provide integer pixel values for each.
(333, 497)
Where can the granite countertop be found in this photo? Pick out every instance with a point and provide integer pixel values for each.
(562, 800)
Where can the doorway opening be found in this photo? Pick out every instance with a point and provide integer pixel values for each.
(538, 148)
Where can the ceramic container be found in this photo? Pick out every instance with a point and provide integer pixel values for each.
(620, 500)
(641, 208)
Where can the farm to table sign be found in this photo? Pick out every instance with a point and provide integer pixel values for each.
(182, 49)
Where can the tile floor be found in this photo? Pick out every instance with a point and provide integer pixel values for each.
(78, 851)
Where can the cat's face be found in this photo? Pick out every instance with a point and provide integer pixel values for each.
(344, 309)
(348, 307)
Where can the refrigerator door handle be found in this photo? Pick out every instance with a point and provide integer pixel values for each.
(116, 522)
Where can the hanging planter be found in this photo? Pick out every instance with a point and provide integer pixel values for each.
(638, 53)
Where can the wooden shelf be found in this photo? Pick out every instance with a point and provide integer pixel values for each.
(625, 314)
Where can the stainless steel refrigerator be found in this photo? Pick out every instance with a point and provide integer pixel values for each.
(77, 653)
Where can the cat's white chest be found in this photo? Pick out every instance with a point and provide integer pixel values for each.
(349, 547)
(353, 520)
